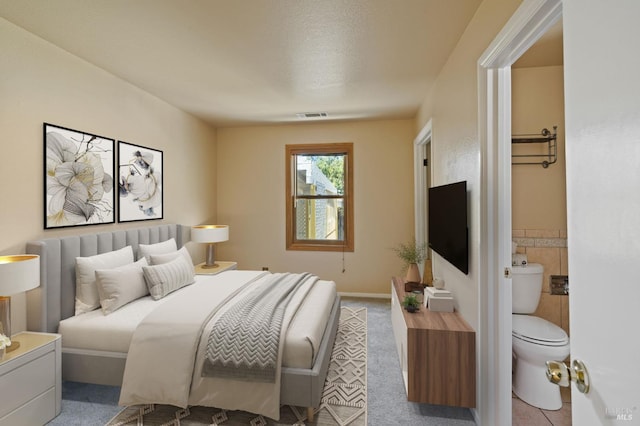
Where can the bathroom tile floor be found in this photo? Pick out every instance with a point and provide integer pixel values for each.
(526, 415)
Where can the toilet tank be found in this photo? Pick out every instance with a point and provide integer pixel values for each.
(526, 282)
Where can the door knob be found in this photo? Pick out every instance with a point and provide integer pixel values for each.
(580, 375)
(560, 374)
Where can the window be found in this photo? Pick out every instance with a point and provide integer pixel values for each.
(320, 197)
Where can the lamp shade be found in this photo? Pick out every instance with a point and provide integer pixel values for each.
(209, 233)
(19, 273)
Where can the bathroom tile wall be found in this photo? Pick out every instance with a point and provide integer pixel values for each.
(547, 247)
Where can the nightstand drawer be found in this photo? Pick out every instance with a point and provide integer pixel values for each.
(24, 383)
(35, 412)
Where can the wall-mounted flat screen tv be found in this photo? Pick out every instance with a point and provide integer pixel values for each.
(448, 231)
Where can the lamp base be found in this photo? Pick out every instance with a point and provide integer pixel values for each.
(5, 316)
(210, 257)
(5, 322)
(14, 345)
(205, 266)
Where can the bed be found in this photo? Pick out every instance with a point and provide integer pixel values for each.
(101, 359)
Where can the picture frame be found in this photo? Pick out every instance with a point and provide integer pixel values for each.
(78, 178)
(140, 172)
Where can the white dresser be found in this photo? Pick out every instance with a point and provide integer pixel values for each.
(31, 380)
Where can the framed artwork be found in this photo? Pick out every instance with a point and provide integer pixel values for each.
(78, 178)
(139, 183)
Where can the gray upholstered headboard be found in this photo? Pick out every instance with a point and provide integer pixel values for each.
(54, 300)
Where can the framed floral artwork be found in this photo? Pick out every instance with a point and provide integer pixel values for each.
(139, 183)
(78, 178)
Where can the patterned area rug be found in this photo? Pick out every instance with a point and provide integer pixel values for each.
(344, 399)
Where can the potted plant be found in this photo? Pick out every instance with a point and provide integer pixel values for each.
(411, 303)
(412, 254)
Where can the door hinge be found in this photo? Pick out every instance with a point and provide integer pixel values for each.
(507, 272)
(425, 162)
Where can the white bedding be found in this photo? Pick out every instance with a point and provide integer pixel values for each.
(98, 332)
(164, 363)
(94, 331)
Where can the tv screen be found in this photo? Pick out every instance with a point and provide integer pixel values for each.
(448, 234)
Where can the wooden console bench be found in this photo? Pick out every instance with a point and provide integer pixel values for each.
(437, 353)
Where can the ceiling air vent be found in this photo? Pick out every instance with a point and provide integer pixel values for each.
(312, 115)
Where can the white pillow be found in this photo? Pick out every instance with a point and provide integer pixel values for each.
(121, 285)
(146, 250)
(87, 298)
(159, 259)
(167, 277)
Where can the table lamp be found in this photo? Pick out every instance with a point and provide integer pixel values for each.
(210, 234)
(18, 273)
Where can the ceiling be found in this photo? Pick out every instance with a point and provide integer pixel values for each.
(241, 62)
(547, 51)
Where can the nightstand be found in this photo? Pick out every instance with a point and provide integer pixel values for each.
(31, 380)
(221, 266)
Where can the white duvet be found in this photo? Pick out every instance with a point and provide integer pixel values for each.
(166, 353)
(99, 334)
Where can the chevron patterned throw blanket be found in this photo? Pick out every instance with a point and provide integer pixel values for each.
(245, 341)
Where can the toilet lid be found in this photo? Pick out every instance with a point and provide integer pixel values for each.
(537, 330)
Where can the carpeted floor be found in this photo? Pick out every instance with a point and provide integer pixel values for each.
(344, 400)
(387, 405)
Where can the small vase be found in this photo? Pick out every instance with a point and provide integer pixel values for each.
(413, 273)
(427, 277)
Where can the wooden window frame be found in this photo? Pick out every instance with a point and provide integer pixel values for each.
(346, 245)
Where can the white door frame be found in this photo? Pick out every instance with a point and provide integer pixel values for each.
(530, 21)
(421, 206)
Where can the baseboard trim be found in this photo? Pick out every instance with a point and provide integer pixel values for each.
(476, 415)
(366, 295)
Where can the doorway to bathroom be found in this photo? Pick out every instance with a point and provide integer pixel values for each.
(530, 22)
(599, 107)
(538, 191)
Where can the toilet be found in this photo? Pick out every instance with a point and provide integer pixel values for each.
(535, 340)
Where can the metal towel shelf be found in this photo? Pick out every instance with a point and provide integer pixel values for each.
(545, 137)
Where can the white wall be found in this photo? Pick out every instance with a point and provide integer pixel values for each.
(453, 107)
(42, 83)
(602, 98)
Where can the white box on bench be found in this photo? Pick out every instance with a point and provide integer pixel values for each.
(440, 304)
